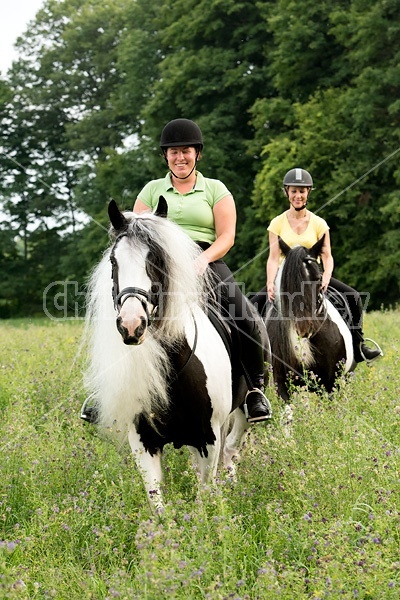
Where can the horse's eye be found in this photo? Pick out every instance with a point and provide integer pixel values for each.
(154, 293)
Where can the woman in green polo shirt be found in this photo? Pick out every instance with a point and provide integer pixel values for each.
(205, 209)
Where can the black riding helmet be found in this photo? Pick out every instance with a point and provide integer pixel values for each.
(181, 132)
(299, 178)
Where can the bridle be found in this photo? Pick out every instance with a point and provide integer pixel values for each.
(119, 297)
(145, 298)
(307, 260)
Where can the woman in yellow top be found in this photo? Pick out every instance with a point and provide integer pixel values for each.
(299, 226)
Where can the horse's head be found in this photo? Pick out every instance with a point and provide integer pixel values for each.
(154, 272)
(132, 296)
(137, 275)
(300, 295)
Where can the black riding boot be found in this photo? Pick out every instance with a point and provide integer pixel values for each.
(362, 352)
(256, 405)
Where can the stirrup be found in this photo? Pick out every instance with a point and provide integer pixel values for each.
(371, 360)
(264, 417)
(86, 412)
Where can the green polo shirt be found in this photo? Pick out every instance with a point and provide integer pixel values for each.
(193, 211)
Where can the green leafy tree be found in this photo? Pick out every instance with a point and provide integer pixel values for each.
(59, 120)
(212, 70)
(273, 84)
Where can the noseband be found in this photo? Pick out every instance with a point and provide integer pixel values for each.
(119, 297)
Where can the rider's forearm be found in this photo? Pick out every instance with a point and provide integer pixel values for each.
(328, 269)
(220, 247)
(272, 269)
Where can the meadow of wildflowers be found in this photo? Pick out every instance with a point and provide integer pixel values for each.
(314, 514)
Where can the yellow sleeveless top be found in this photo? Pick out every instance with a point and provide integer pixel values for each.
(315, 230)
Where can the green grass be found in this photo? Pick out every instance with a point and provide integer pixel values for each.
(314, 515)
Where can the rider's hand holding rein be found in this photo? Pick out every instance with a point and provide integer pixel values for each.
(201, 263)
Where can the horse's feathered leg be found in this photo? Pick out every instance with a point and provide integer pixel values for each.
(207, 465)
(230, 451)
(150, 468)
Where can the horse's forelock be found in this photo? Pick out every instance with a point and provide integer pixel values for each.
(157, 267)
(299, 296)
(144, 232)
(293, 272)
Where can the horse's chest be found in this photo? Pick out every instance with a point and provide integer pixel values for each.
(187, 421)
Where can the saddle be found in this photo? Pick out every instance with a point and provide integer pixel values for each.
(224, 326)
(229, 333)
(340, 303)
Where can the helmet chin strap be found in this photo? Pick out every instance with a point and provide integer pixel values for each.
(300, 207)
(177, 176)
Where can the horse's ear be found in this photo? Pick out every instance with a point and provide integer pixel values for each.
(162, 208)
(283, 246)
(118, 221)
(315, 251)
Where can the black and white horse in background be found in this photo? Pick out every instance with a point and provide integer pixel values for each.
(310, 340)
(159, 372)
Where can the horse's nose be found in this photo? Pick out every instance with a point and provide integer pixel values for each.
(131, 335)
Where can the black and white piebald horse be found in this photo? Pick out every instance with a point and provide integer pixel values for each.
(159, 372)
(309, 338)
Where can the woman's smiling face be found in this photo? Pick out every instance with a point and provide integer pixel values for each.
(181, 159)
(297, 195)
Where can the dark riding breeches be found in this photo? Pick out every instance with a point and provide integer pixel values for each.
(260, 300)
(234, 302)
(353, 300)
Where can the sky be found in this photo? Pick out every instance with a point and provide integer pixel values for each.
(14, 18)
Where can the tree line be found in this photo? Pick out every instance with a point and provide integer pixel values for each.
(273, 84)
